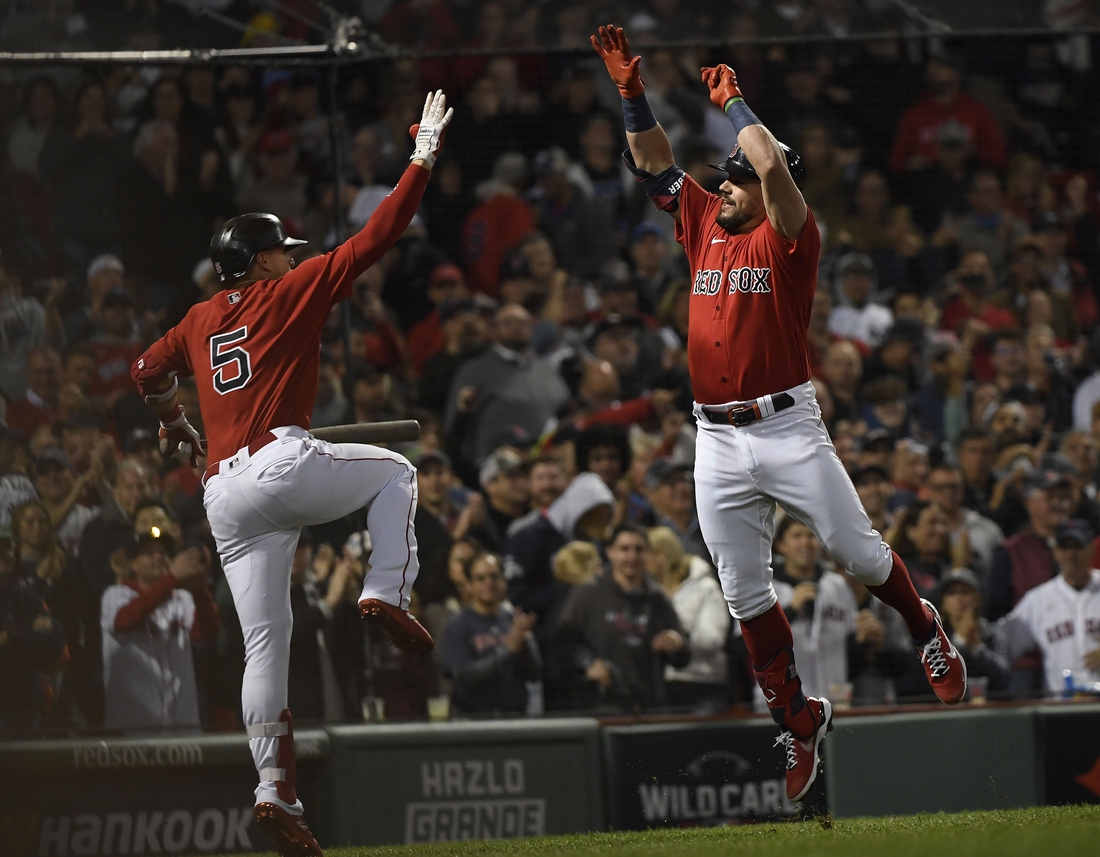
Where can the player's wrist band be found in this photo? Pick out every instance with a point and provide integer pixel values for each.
(740, 115)
(637, 114)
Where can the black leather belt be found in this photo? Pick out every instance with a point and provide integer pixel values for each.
(741, 417)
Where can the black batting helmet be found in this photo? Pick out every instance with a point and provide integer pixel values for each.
(233, 248)
(737, 164)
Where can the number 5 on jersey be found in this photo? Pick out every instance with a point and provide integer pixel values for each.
(230, 363)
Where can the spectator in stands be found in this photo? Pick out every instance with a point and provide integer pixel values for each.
(970, 315)
(976, 457)
(1024, 561)
(1065, 636)
(583, 511)
(651, 272)
(149, 621)
(104, 275)
(39, 403)
(445, 513)
(58, 582)
(579, 228)
(982, 536)
(31, 643)
(691, 585)
(945, 101)
(1067, 276)
(503, 481)
(921, 538)
(465, 326)
(312, 603)
(41, 104)
(1025, 277)
(28, 325)
(81, 166)
(604, 449)
(62, 492)
(910, 472)
(1048, 376)
(670, 488)
(621, 629)
(842, 368)
(873, 485)
(370, 193)
(856, 316)
(512, 386)
(498, 223)
(114, 528)
(988, 227)
(939, 407)
(488, 650)
(960, 606)
(446, 285)
(1007, 360)
(281, 189)
(546, 481)
(115, 347)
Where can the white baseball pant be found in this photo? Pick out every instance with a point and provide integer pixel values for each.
(785, 458)
(257, 506)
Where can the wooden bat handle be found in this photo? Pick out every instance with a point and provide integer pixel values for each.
(394, 431)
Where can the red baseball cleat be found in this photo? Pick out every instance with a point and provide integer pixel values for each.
(289, 832)
(404, 629)
(802, 755)
(944, 666)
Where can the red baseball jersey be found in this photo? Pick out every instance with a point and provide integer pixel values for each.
(255, 351)
(750, 303)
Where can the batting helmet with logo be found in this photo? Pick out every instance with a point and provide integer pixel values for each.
(236, 244)
(737, 164)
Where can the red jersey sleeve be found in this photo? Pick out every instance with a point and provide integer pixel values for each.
(167, 355)
(697, 211)
(798, 256)
(328, 279)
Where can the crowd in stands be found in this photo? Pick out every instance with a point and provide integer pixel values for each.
(533, 319)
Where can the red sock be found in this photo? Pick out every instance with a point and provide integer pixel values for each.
(898, 592)
(769, 641)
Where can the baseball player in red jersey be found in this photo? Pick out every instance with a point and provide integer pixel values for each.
(754, 249)
(254, 350)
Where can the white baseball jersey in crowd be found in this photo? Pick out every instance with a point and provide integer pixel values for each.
(148, 675)
(1062, 622)
(820, 641)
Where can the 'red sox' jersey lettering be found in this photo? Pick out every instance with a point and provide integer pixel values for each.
(750, 303)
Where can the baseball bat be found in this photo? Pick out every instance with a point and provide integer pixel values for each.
(393, 431)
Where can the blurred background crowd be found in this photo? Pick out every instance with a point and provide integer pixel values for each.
(533, 319)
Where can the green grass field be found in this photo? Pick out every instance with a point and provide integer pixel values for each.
(1039, 832)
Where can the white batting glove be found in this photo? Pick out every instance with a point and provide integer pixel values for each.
(428, 133)
(178, 439)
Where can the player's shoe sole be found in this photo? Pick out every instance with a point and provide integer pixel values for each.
(803, 756)
(289, 833)
(404, 629)
(943, 663)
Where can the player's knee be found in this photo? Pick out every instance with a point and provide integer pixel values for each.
(870, 568)
(749, 605)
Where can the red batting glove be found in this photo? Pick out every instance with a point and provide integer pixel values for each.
(722, 82)
(614, 49)
(178, 438)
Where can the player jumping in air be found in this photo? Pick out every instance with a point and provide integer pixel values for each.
(254, 350)
(754, 251)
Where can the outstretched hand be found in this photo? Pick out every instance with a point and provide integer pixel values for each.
(429, 132)
(721, 80)
(614, 49)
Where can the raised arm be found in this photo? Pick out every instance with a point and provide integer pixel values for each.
(783, 202)
(650, 156)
